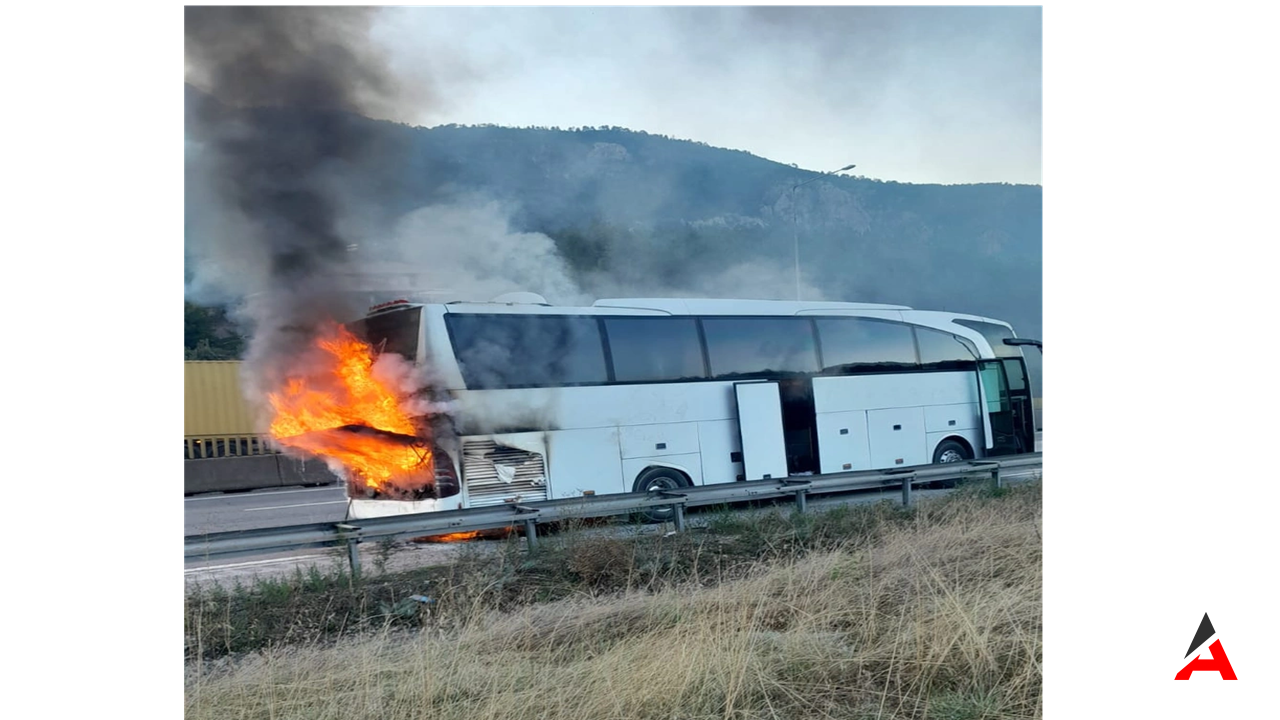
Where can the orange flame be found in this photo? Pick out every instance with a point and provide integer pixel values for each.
(494, 534)
(336, 408)
(453, 537)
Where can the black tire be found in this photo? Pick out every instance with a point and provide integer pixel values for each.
(659, 478)
(949, 451)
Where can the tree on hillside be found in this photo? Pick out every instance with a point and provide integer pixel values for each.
(208, 334)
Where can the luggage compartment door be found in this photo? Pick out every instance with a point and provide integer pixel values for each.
(764, 453)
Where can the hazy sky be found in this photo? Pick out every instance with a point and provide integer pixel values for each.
(938, 94)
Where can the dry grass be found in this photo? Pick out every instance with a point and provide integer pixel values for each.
(937, 616)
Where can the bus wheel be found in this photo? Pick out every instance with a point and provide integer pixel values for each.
(950, 451)
(659, 478)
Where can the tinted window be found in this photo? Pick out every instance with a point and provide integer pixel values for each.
(756, 346)
(860, 343)
(993, 384)
(393, 332)
(943, 350)
(1014, 374)
(995, 335)
(646, 349)
(497, 351)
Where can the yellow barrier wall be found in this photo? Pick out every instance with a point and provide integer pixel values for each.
(214, 404)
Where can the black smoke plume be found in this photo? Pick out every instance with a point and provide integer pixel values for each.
(279, 122)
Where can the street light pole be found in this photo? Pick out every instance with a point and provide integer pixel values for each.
(795, 220)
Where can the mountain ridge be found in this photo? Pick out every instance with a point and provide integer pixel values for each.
(630, 212)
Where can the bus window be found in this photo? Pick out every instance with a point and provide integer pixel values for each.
(392, 332)
(940, 350)
(994, 387)
(742, 346)
(1014, 374)
(654, 349)
(995, 335)
(849, 344)
(497, 351)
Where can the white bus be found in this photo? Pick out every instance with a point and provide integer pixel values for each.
(635, 394)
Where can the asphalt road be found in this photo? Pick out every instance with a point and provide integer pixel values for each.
(220, 512)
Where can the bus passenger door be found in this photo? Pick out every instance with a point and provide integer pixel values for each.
(764, 453)
(1020, 398)
(994, 390)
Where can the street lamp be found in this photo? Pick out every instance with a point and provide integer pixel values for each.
(795, 221)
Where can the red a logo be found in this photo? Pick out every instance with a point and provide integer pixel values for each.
(1217, 661)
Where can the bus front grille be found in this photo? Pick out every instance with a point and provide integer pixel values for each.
(493, 474)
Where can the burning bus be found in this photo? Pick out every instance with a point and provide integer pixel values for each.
(430, 407)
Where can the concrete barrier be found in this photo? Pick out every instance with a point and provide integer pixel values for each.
(304, 472)
(239, 474)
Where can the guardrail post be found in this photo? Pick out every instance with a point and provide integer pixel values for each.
(353, 556)
(353, 549)
(802, 491)
(679, 507)
(531, 533)
(906, 489)
(991, 465)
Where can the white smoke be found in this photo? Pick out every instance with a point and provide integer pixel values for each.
(745, 280)
(466, 250)
(409, 382)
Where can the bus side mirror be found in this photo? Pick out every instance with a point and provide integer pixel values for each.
(1024, 341)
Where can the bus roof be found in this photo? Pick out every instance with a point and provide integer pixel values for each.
(672, 306)
(701, 306)
(698, 306)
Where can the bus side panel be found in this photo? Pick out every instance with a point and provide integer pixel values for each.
(897, 437)
(662, 439)
(878, 392)
(720, 444)
(973, 436)
(573, 408)
(583, 460)
(690, 464)
(842, 441)
(944, 418)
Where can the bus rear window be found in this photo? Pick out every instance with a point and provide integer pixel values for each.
(393, 332)
(502, 351)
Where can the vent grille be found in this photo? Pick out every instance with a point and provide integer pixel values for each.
(493, 474)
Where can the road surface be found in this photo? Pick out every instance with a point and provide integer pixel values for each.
(220, 512)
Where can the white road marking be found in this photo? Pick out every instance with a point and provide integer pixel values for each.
(250, 563)
(224, 496)
(283, 507)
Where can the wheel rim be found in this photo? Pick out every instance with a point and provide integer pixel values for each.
(950, 456)
(662, 483)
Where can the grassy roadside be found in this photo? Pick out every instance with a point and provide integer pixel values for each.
(870, 611)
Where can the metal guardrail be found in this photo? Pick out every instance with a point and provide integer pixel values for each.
(351, 533)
